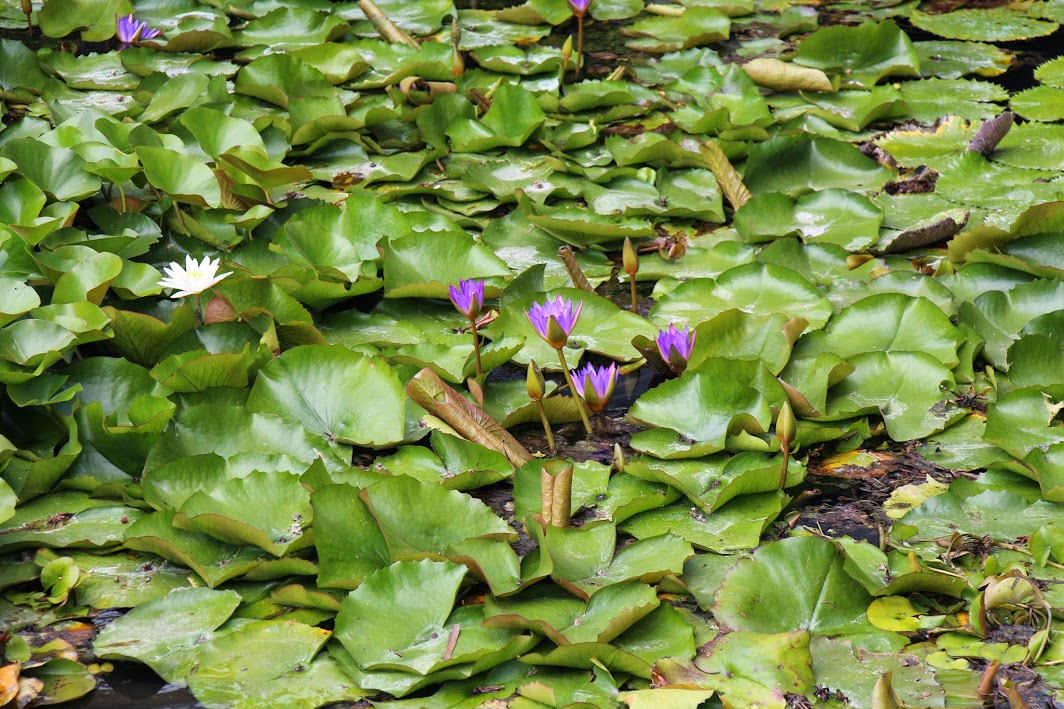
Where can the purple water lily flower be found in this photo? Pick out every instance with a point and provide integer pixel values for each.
(554, 320)
(675, 346)
(133, 31)
(579, 7)
(595, 384)
(468, 297)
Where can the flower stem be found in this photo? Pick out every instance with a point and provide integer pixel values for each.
(579, 47)
(546, 425)
(786, 463)
(199, 309)
(576, 396)
(476, 347)
(635, 300)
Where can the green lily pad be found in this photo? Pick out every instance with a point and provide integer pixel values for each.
(215, 562)
(735, 526)
(861, 55)
(56, 170)
(414, 636)
(567, 620)
(584, 561)
(751, 288)
(760, 594)
(839, 666)
(166, 633)
(708, 403)
(909, 389)
(952, 60)
(305, 384)
(267, 510)
(697, 26)
(994, 24)
(833, 216)
(269, 662)
(999, 514)
(799, 164)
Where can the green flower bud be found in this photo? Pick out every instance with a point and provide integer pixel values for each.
(534, 382)
(785, 424)
(630, 258)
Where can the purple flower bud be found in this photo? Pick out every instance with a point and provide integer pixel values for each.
(468, 297)
(579, 7)
(558, 312)
(130, 30)
(595, 384)
(675, 346)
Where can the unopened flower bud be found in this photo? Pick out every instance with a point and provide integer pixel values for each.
(534, 382)
(785, 424)
(630, 258)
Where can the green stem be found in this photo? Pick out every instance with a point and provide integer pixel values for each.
(199, 309)
(476, 347)
(579, 46)
(576, 396)
(635, 299)
(546, 425)
(786, 462)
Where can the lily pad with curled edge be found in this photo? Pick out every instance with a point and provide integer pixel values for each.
(323, 385)
(58, 171)
(586, 561)
(798, 584)
(267, 510)
(747, 669)
(911, 390)
(833, 216)
(267, 663)
(695, 414)
(935, 147)
(513, 117)
(1032, 145)
(401, 618)
(861, 55)
(567, 620)
(181, 176)
(752, 288)
(456, 464)
(962, 447)
(697, 26)
(995, 24)
(166, 633)
(929, 99)
(840, 667)
(67, 520)
(1000, 514)
(424, 264)
(1000, 316)
(662, 633)
(214, 561)
(894, 574)
(886, 322)
(1040, 103)
(799, 164)
(735, 526)
(1021, 422)
(422, 520)
(712, 481)
(290, 28)
(946, 59)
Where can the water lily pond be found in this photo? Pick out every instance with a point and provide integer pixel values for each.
(295, 296)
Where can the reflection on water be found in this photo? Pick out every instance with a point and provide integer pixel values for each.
(134, 686)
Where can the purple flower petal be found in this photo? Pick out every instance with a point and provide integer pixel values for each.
(563, 313)
(675, 341)
(468, 297)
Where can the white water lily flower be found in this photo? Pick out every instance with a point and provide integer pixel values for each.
(194, 278)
